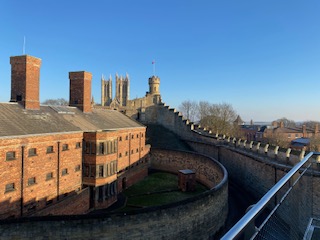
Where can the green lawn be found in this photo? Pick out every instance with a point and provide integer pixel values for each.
(157, 189)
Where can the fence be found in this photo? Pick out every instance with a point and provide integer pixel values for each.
(284, 212)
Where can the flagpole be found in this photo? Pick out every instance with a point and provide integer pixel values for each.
(154, 67)
(24, 45)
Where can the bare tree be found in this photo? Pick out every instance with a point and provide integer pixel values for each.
(189, 109)
(287, 122)
(203, 109)
(58, 101)
(220, 118)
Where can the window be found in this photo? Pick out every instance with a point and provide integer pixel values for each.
(137, 150)
(100, 171)
(32, 152)
(11, 155)
(120, 139)
(87, 148)
(64, 171)
(9, 187)
(101, 148)
(86, 170)
(92, 171)
(65, 147)
(127, 137)
(137, 135)
(289, 135)
(141, 134)
(131, 151)
(100, 195)
(50, 149)
(142, 149)
(77, 168)
(120, 155)
(126, 153)
(49, 176)
(93, 148)
(31, 181)
(132, 136)
(78, 145)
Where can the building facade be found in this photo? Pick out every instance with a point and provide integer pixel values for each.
(63, 159)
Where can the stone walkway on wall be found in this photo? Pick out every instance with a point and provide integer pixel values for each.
(160, 137)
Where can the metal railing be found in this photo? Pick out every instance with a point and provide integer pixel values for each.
(246, 226)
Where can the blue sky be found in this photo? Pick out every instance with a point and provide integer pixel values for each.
(262, 57)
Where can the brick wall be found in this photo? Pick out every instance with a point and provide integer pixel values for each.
(25, 79)
(46, 175)
(198, 217)
(80, 90)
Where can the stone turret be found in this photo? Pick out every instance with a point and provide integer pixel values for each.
(154, 84)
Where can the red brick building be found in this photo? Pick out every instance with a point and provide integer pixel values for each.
(59, 159)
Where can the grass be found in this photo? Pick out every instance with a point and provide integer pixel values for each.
(157, 189)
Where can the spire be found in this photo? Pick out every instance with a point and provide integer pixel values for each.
(127, 76)
(110, 77)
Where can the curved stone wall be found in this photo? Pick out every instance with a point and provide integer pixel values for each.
(198, 217)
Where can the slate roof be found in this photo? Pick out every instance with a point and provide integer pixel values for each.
(16, 121)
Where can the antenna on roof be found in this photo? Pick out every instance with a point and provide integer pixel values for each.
(24, 45)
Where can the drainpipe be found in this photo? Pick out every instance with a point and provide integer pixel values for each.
(22, 178)
(58, 171)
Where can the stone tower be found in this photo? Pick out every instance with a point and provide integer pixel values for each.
(154, 85)
(106, 91)
(122, 89)
(25, 80)
(80, 90)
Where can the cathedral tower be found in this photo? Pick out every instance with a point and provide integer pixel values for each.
(106, 91)
(122, 89)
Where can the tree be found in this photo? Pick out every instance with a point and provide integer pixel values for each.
(189, 109)
(58, 101)
(286, 122)
(203, 109)
(220, 119)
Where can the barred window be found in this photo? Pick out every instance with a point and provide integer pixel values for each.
(11, 155)
(78, 145)
(32, 152)
(9, 187)
(64, 171)
(100, 170)
(65, 147)
(50, 149)
(49, 176)
(31, 181)
(77, 168)
(101, 148)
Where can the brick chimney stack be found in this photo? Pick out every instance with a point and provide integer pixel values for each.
(304, 131)
(25, 81)
(80, 90)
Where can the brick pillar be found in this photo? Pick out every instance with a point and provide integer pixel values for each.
(25, 81)
(80, 90)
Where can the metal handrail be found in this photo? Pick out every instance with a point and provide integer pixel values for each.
(250, 216)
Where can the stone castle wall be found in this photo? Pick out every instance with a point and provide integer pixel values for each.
(199, 216)
(254, 166)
